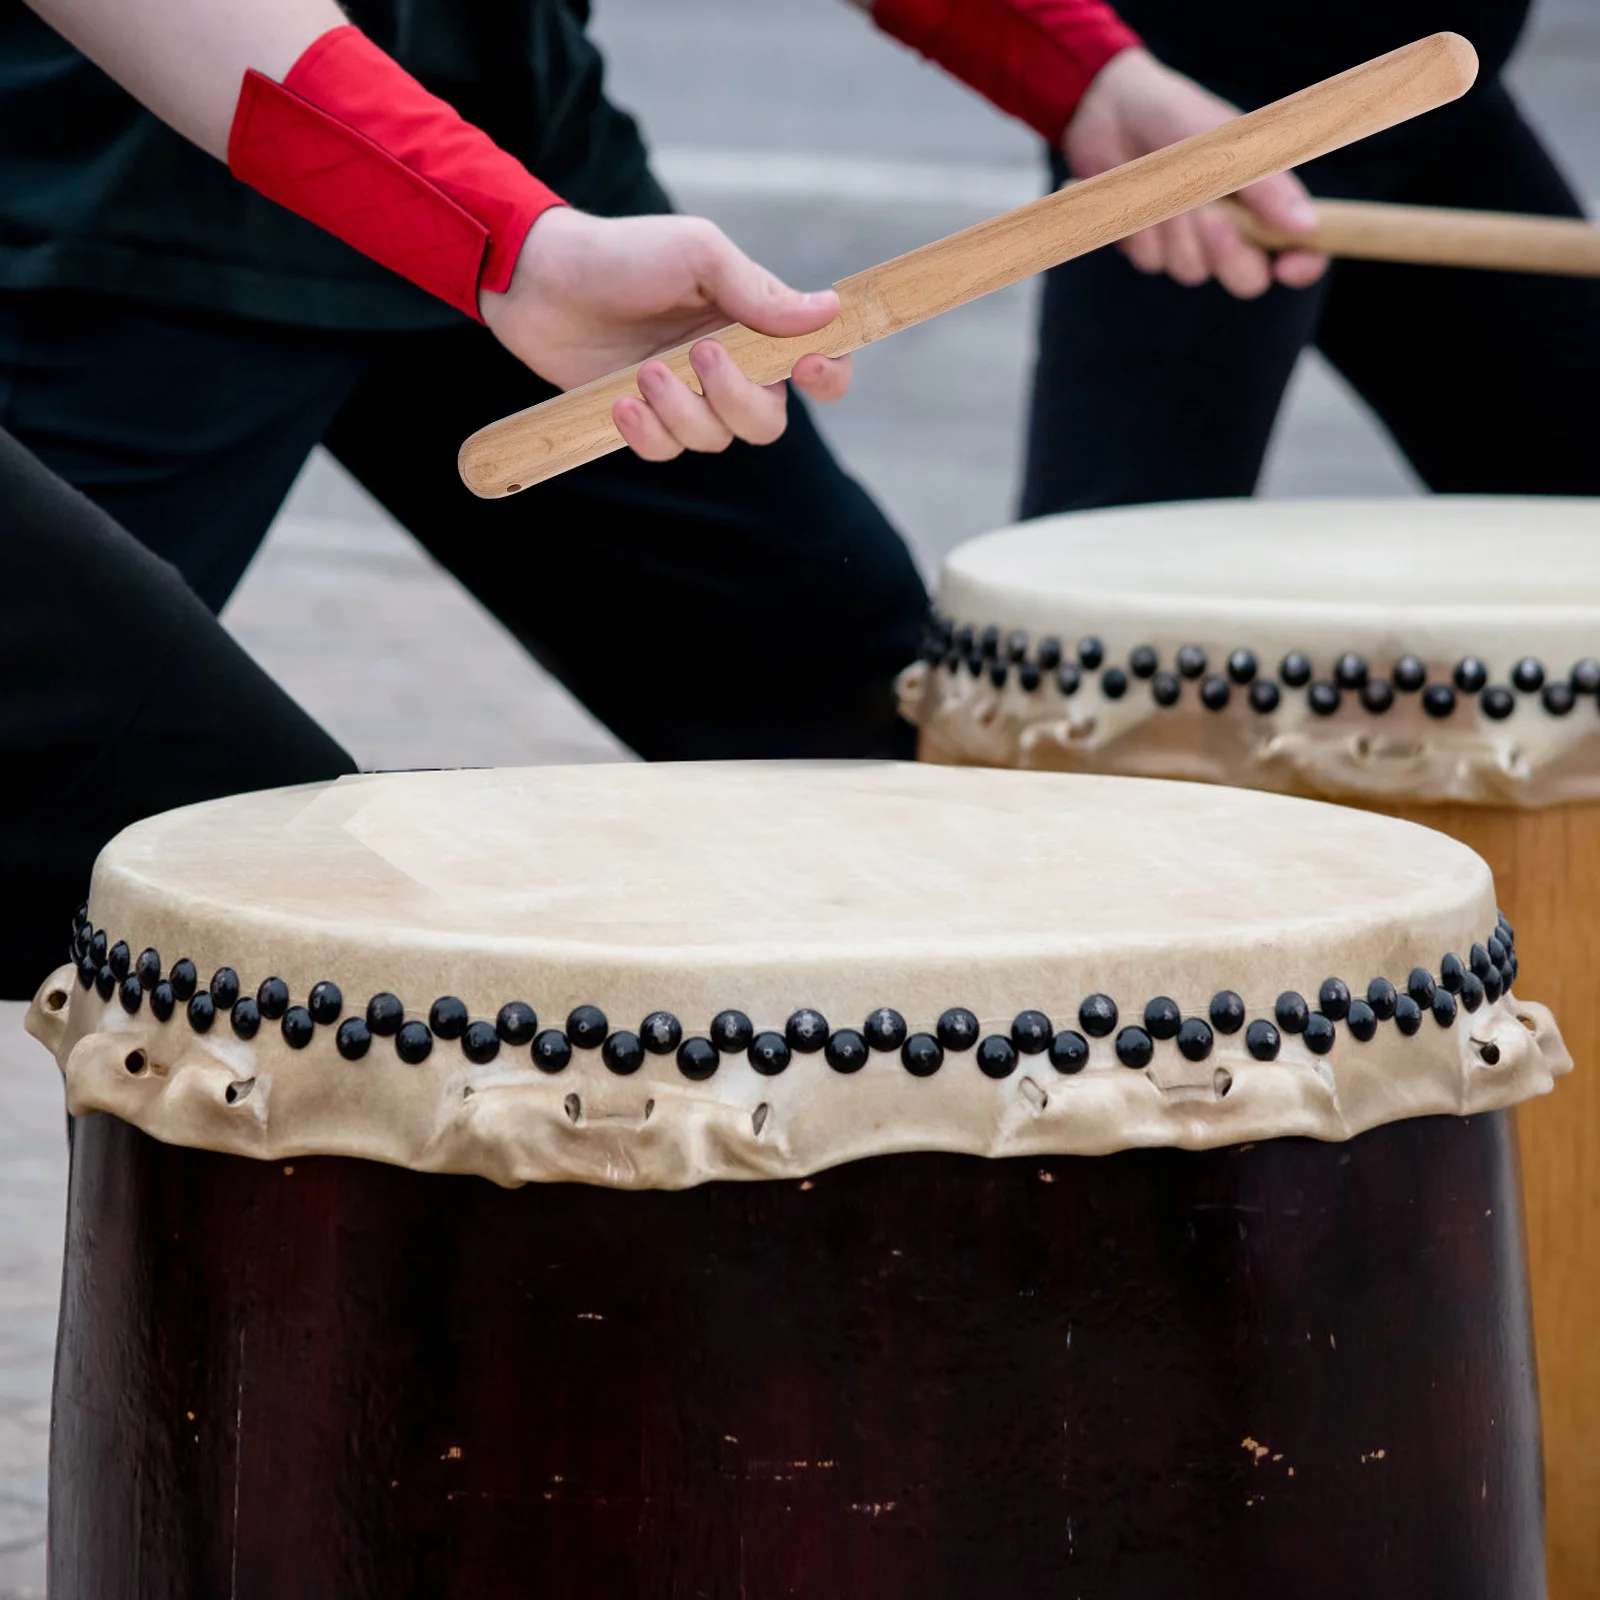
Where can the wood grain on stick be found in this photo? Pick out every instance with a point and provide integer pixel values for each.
(577, 427)
(1501, 241)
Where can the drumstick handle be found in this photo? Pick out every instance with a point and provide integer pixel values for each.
(577, 426)
(1502, 241)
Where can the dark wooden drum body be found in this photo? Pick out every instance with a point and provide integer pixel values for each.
(1290, 1369)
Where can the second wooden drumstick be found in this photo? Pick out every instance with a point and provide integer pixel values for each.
(577, 427)
(1500, 241)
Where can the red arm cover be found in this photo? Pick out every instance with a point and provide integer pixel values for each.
(352, 142)
(1033, 58)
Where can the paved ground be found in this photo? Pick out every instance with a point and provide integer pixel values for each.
(823, 149)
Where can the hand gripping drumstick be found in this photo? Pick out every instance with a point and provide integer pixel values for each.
(576, 427)
(1502, 241)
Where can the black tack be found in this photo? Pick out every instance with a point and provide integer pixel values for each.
(1527, 675)
(1497, 702)
(1438, 699)
(1143, 661)
(105, 983)
(447, 1016)
(272, 996)
(224, 987)
(1091, 652)
(1242, 666)
(1323, 698)
(661, 1033)
(769, 1053)
(1113, 683)
(1264, 696)
(922, 1055)
(1558, 698)
(385, 1014)
(1191, 660)
(552, 1050)
(806, 1032)
(1048, 655)
(120, 959)
(957, 1029)
(414, 1043)
(1350, 670)
(1333, 999)
(1292, 1012)
(1031, 1032)
(623, 1053)
(1195, 1039)
(1295, 670)
(1016, 645)
(975, 664)
(996, 1056)
(1068, 678)
(587, 1027)
(1493, 984)
(1097, 1016)
(1319, 1034)
(885, 1029)
(732, 1031)
(1408, 1015)
(1166, 689)
(965, 639)
(998, 672)
(1215, 692)
(131, 993)
(1497, 949)
(1382, 996)
(1163, 1018)
(86, 972)
(1069, 1051)
(846, 1051)
(1362, 1020)
(1227, 1012)
(989, 642)
(148, 968)
(325, 1002)
(163, 1002)
(1028, 677)
(698, 1058)
(516, 1024)
(1135, 1048)
(1451, 971)
(297, 1028)
(1586, 676)
(1478, 960)
(1470, 675)
(245, 1017)
(1262, 1040)
(202, 1012)
(1472, 991)
(353, 1039)
(1444, 1008)
(98, 949)
(1377, 696)
(480, 1044)
(1409, 674)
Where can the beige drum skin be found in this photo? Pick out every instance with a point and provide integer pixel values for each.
(1494, 600)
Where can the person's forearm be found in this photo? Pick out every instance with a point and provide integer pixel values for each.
(185, 59)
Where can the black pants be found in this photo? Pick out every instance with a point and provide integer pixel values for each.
(754, 604)
(120, 696)
(1489, 382)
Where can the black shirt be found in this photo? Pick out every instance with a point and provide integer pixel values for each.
(97, 194)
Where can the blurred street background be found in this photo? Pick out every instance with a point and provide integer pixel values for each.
(822, 148)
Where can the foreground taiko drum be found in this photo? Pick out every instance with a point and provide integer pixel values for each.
(819, 1182)
(1432, 658)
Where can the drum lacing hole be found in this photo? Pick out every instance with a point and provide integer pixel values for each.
(1221, 1083)
(1528, 1022)
(574, 1109)
(239, 1090)
(649, 1109)
(1033, 1094)
(55, 999)
(513, 488)
(135, 1062)
(758, 1118)
(468, 1092)
(1488, 1050)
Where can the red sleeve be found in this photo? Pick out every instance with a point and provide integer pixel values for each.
(351, 141)
(1033, 58)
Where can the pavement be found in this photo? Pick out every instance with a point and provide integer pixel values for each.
(823, 149)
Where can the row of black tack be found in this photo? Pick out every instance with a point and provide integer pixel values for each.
(111, 969)
(988, 653)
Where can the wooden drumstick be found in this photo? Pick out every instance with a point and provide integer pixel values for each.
(1501, 241)
(576, 427)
